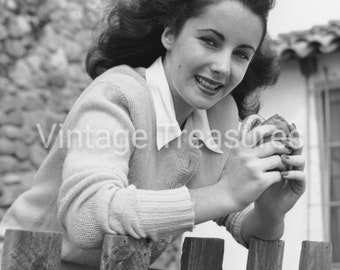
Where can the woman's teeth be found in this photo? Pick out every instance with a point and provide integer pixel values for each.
(207, 84)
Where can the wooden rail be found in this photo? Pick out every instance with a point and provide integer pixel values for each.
(315, 255)
(125, 253)
(265, 255)
(31, 250)
(42, 251)
(202, 254)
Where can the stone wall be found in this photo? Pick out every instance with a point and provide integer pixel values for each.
(43, 46)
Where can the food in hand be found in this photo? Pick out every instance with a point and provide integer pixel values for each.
(285, 132)
(285, 129)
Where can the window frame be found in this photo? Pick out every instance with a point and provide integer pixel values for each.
(323, 90)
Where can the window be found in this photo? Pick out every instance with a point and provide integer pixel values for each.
(330, 99)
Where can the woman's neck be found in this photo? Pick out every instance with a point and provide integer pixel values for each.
(182, 109)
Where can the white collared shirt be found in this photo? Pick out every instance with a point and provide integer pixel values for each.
(168, 128)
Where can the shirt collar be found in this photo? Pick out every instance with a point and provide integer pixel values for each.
(167, 125)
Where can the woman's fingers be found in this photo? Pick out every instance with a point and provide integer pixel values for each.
(281, 162)
(271, 163)
(272, 177)
(294, 175)
(271, 148)
(295, 140)
(296, 161)
(257, 134)
(296, 181)
(293, 143)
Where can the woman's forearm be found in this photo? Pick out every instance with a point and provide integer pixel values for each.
(260, 225)
(210, 203)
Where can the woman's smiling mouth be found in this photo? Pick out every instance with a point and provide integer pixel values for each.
(211, 87)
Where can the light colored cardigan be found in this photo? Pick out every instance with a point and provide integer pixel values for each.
(86, 192)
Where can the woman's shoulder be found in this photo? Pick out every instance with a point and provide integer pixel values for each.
(123, 80)
(123, 74)
(119, 89)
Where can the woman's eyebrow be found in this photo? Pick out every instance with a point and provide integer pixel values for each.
(220, 35)
(246, 46)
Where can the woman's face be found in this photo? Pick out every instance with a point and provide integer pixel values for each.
(211, 54)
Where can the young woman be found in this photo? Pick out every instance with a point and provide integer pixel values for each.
(146, 150)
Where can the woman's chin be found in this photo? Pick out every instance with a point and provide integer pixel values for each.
(200, 101)
(201, 105)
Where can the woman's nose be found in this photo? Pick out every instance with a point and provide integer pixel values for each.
(222, 65)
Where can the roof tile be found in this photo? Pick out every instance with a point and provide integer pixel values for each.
(320, 39)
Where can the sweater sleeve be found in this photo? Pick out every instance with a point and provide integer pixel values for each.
(96, 197)
(233, 223)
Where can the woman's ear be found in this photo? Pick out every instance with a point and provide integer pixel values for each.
(168, 37)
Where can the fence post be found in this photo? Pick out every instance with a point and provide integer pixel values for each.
(202, 254)
(265, 255)
(31, 250)
(121, 252)
(316, 255)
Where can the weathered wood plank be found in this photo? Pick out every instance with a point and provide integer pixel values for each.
(31, 250)
(265, 255)
(125, 253)
(315, 256)
(202, 254)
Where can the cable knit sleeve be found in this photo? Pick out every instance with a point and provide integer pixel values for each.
(96, 197)
(233, 224)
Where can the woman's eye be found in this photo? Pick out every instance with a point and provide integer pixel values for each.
(243, 55)
(209, 41)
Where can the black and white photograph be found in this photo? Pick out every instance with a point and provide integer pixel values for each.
(169, 135)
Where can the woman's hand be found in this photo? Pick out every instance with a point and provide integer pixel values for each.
(247, 173)
(266, 220)
(280, 197)
(250, 171)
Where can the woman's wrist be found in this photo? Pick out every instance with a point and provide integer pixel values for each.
(270, 216)
(260, 224)
(210, 202)
(229, 199)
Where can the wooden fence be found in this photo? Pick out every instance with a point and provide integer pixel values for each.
(42, 250)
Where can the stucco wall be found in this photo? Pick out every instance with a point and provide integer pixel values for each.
(289, 99)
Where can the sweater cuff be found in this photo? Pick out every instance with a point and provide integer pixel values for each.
(165, 212)
(233, 223)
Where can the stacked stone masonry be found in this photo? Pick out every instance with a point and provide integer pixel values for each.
(43, 44)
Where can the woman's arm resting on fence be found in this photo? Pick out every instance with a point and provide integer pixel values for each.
(243, 180)
(209, 203)
(259, 225)
(266, 220)
(96, 196)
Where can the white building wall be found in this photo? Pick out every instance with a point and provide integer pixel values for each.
(289, 99)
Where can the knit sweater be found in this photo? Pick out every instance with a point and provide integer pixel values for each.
(105, 175)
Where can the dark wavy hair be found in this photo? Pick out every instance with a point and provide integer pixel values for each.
(131, 35)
